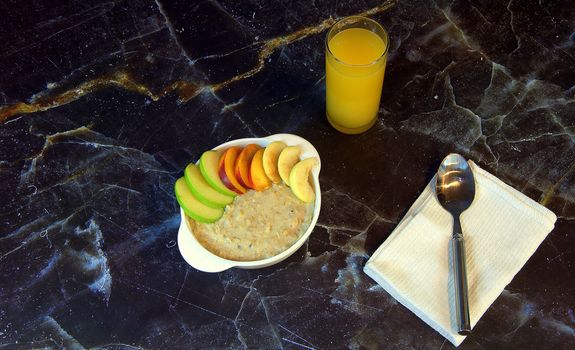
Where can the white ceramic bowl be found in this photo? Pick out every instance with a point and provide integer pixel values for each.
(202, 259)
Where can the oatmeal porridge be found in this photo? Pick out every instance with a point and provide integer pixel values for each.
(256, 226)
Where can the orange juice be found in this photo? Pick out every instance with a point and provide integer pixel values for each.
(355, 66)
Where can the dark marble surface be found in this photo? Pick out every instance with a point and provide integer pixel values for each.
(103, 104)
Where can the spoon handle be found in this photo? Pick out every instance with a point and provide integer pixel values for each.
(460, 279)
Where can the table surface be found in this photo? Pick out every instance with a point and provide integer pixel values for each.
(105, 102)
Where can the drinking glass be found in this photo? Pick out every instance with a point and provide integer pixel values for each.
(356, 55)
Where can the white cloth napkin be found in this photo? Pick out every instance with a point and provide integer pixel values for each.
(502, 229)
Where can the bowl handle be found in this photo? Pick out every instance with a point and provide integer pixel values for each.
(197, 256)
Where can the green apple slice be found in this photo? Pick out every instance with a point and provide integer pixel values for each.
(209, 169)
(299, 180)
(202, 190)
(192, 206)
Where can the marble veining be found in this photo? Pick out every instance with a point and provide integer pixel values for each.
(103, 103)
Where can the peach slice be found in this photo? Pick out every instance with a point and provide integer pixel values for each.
(270, 160)
(243, 163)
(288, 157)
(257, 173)
(299, 180)
(226, 170)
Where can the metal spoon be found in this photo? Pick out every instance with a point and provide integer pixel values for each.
(455, 191)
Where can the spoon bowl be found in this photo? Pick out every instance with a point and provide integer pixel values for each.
(455, 188)
(455, 184)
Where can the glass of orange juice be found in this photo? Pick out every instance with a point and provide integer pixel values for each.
(355, 58)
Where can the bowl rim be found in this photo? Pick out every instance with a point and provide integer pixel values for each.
(197, 256)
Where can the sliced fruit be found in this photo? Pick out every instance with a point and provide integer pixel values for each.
(257, 173)
(289, 156)
(192, 206)
(243, 163)
(226, 170)
(299, 180)
(202, 190)
(270, 160)
(209, 169)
